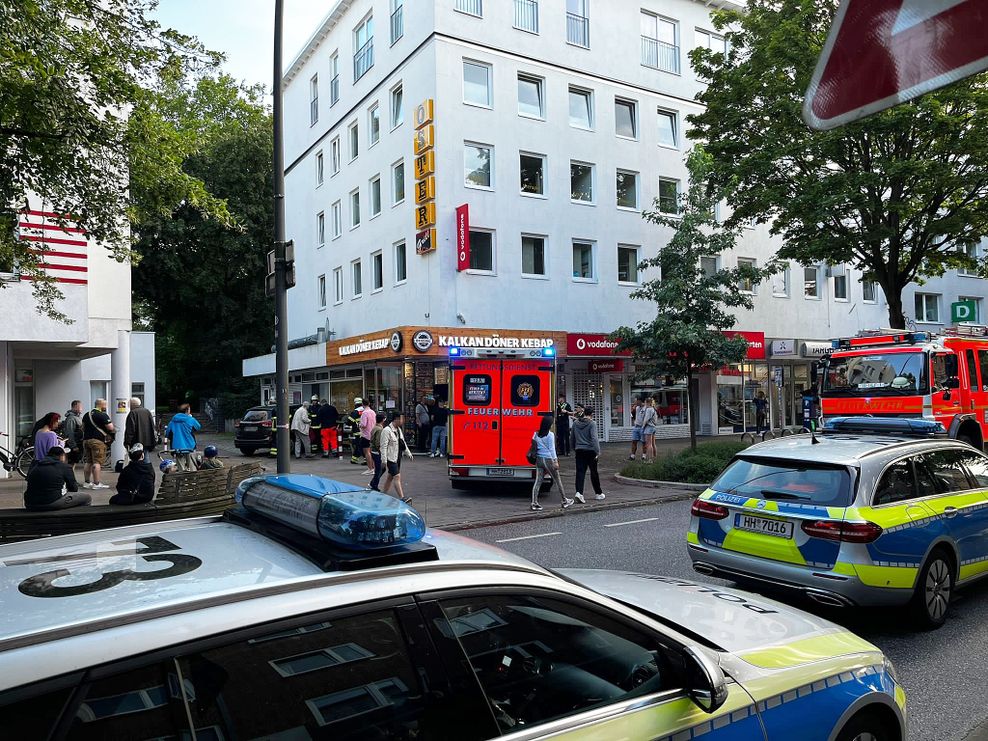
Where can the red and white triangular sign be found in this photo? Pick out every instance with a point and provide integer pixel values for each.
(883, 52)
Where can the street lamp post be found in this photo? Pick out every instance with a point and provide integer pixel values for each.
(282, 437)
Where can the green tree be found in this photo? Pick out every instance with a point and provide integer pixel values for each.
(896, 195)
(690, 331)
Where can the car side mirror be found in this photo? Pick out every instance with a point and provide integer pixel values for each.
(706, 684)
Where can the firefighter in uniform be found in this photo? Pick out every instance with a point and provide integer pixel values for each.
(315, 428)
(351, 429)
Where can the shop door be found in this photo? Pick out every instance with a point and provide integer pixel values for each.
(588, 389)
(475, 422)
(618, 411)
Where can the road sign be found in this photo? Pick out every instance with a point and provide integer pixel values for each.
(883, 52)
(964, 311)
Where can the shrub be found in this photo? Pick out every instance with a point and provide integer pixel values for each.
(700, 467)
(722, 451)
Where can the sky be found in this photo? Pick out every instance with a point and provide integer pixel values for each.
(244, 30)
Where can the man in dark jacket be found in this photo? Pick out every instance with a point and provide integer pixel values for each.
(139, 428)
(328, 417)
(136, 482)
(586, 446)
(51, 484)
(315, 429)
(72, 432)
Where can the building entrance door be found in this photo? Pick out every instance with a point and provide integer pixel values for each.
(588, 389)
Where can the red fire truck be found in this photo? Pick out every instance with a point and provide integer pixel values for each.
(498, 398)
(896, 373)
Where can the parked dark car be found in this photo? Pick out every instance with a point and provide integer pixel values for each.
(256, 430)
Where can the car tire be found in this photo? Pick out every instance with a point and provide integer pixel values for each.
(934, 588)
(866, 726)
(248, 451)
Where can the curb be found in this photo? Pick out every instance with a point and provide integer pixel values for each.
(649, 484)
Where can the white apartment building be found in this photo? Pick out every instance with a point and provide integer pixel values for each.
(547, 127)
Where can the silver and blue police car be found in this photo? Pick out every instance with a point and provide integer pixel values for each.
(315, 611)
(874, 511)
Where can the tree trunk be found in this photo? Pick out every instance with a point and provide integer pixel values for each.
(897, 318)
(689, 409)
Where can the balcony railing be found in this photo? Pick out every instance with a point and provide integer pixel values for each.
(660, 55)
(473, 7)
(363, 60)
(578, 30)
(397, 24)
(527, 15)
(334, 90)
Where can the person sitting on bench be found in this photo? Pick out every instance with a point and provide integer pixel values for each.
(136, 482)
(51, 485)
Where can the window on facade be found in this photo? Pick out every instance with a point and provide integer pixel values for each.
(840, 283)
(668, 129)
(478, 165)
(709, 266)
(471, 7)
(578, 23)
(377, 270)
(375, 196)
(708, 40)
(321, 290)
(363, 47)
(338, 284)
(334, 80)
(320, 228)
(337, 217)
(531, 96)
(355, 209)
(334, 155)
(626, 184)
(397, 107)
(477, 83)
(401, 266)
(668, 196)
(357, 273)
(527, 15)
(811, 281)
(972, 251)
(780, 283)
(583, 262)
(627, 264)
(868, 292)
(482, 251)
(398, 182)
(320, 168)
(626, 118)
(397, 20)
(532, 255)
(581, 182)
(374, 125)
(927, 307)
(580, 108)
(660, 48)
(313, 100)
(354, 133)
(746, 284)
(532, 173)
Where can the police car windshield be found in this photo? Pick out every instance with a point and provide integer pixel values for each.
(828, 486)
(875, 374)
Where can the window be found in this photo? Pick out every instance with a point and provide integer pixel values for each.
(970, 250)
(478, 165)
(708, 40)
(626, 118)
(477, 84)
(581, 108)
(313, 100)
(482, 251)
(840, 282)
(373, 125)
(896, 485)
(527, 15)
(334, 156)
(949, 468)
(626, 184)
(355, 209)
(532, 256)
(660, 48)
(578, 23)
(397, 21)
(397, 107)
(668, 196)
(972, 369)
(709, 266)
(531, 96)
(532, 168)
(401, 266)
(354, 133)
(780, 283)
(320, 168)
(336, 211)
(581, 176)
(471, 7)
(627, 264)
(321, 228)
(928, 307)
(397, 182)
(363, 47)
(583, 261)
(321, 291)
(377, 270)
(811, 281)
(668, 129)
(375, 195)
(746, 284)
(357, 278)
(975, 318)
(338, 284)
(334, 80)
(869, 292)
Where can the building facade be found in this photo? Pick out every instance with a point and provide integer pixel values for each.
(477, 170)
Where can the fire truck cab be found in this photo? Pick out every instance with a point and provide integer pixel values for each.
(897, 373)
(498, 398)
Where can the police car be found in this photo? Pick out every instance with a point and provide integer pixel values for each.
(875, 511)
(317, 611)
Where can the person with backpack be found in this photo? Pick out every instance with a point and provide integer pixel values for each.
(586, 448)
(72, 432)
(97, 432)
(546, 463)
(181, 437)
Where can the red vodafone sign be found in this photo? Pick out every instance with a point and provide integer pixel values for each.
(591, 345)
(463, 237)
(883, 52)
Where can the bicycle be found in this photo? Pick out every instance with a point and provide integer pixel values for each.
(19, 459)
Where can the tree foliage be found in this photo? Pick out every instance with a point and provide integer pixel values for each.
(895, 195)
(693, 308)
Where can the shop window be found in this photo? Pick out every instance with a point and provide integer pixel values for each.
(477, 391)
(525, 391)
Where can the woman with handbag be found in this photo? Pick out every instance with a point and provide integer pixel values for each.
(393, 447)
(543, 448)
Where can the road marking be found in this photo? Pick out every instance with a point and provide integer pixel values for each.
(631, 522)
(525, 537)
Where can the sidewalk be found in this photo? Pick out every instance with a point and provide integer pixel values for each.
(426, 481)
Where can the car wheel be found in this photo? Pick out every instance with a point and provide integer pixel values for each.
(931, 601)
(248, 451)
(865, 726)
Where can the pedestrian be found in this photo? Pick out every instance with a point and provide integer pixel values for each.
(650, 419)
(546, 464)
(375, 451)
(51, 484)
(329, 418)
(440, 421)
(563, 412)
(368, 418)
(97, 433)
(180, 435)
(315, 429)
(139, 428)
(393, 447)
(422, 420)
(136, 482)
(44, 436)
(300, 432)
(586, 448)
(210, 458)
(351, 429)
(637, 434)
(167, 465)
(72, 432)
(761, 411)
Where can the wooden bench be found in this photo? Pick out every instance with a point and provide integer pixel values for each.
(181, 495)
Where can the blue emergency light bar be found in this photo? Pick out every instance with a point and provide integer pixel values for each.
(337, 513)
(470, 352)
(886, 426)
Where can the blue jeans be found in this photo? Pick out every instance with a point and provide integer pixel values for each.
(439, 436)
(378, 470)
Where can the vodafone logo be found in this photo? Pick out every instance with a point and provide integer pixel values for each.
(592, 344)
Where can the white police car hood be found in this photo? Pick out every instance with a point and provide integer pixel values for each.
(762, 631)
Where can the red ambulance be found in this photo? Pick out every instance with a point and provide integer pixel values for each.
(498, 398)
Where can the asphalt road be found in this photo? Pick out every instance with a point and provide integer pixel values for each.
(945, 672)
